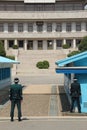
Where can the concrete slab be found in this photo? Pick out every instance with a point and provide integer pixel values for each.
(37, 89)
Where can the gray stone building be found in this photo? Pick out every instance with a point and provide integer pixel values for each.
(42, 24)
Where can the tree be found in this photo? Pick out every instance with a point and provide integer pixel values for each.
(83, 44)
(82, 47)
(73, 53)
(2, 49)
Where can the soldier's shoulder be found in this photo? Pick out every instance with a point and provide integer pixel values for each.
(12, 85)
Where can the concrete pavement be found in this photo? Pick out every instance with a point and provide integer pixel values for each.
(46, 124)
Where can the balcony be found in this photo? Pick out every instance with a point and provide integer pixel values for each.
(52, 15)
(46, 35)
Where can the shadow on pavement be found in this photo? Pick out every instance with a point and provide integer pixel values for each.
(65, 105)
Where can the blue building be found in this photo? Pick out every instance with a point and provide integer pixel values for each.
(75, 66)
(5, 77)
(5, 71)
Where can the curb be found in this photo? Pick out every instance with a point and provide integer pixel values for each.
(47, 118)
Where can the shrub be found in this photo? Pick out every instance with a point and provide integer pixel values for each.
(11, 57)
(73, 53)
(2, 50)
(46, 64)
(42, 64)
(66, 46)
(83, 44)
(15, 46)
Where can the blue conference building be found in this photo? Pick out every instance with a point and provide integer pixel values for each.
(5, 77)
(75, 66)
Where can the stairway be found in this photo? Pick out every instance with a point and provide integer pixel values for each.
(28, 60)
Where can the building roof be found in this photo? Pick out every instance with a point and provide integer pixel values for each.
(34, 1)
(71, 59)
(7, 60)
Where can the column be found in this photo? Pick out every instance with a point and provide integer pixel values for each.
(34, 27)
(6, 44)
(5, 27)
(15, 42)
(53, 27)
(73, 27)
(83, 26)
(25, 27)
(54, 44)
(44, 45)
(74, 43)
(63, 27)
(44, 27)
(25, 45)
(35, 45)
(64, 41)
(15, 27)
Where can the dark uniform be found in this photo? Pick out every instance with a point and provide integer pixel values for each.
(75, 95)
(16, 97)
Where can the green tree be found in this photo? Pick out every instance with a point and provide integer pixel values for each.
(2, 50)
(73, 53)
(83, 44)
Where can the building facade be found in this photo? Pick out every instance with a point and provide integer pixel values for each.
(42, 24)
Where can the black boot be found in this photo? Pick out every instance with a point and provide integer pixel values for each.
(19, 118)
(12, 119)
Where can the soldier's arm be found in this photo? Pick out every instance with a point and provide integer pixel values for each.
(10, 93)
(21, 94)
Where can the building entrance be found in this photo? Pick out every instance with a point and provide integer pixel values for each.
(30, 45)
(21, 44)
(40, 45)
(11, 43)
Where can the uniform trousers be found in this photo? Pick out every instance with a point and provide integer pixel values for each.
(18, 104)
(77, 100)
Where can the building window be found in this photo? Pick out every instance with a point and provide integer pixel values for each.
(11, 43)
(78, 26)
(39, 26)
(68, 6)
(1, 27)
(69, 42)
(50, 44)
(78, 6)
(20, 27)
(58, 27)
(39, 7)
(40, 45)
(30, 45)
(49, 27)
(30, 27)
(59, 43)
(4, 73)
(68, 27)
(10, 27)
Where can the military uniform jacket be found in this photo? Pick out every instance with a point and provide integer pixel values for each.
(75, 89)
(16, 92)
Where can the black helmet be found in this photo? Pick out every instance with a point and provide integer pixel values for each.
(16, 80)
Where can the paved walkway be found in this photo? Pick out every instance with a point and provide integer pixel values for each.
(37, 101)
(37, 89)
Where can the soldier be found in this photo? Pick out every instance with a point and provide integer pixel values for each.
(16, 97)
(75, 95)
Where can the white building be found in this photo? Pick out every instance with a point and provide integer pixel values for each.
(42, 24)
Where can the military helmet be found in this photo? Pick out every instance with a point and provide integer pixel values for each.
(16, 80)
(75, 79)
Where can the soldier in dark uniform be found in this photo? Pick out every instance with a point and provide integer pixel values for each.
(16, 97)
(75, 93)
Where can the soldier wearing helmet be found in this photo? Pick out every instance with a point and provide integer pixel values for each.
(15, 98)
